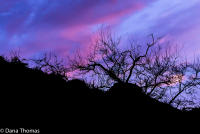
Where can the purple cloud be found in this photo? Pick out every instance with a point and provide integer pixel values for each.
(38, 25)
(177, 20)
(65, 25)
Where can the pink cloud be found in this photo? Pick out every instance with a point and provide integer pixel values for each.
(82, 32)
(118, 15)
(65, 25)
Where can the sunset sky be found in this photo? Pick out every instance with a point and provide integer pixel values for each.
(62, 26)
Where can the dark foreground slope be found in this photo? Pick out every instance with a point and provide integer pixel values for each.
(20, 83)
(132, 96)
(30, 94)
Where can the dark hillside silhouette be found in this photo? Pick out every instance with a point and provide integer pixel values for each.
(130, 96)
(26, 85)
(19, 81)
(30, 93)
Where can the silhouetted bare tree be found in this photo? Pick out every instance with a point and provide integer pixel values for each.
(161, 74)
(155, 73)
(187, 79)
(165, 76)
(109, 62)
(50, 63)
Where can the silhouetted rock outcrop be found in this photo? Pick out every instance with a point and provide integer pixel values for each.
(124, 90)
(79, 88)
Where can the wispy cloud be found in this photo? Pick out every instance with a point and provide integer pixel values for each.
(178, 20)
(64, 25)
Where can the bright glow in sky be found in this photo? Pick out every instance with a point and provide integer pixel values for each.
(62, 26)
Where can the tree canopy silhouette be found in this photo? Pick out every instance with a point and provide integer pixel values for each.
(161, 74)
